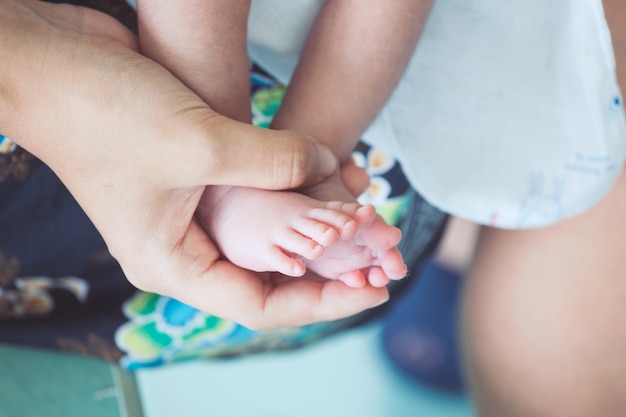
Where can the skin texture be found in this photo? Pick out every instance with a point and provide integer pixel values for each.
(201, 40)
(137, 148)
(544, 314)
(353, 58)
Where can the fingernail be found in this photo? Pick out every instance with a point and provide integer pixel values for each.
(328, 161)
(381, 302)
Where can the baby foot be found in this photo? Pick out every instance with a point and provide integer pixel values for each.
(265, 230)
(371, 256)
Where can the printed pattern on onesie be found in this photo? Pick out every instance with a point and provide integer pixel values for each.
(509, 113)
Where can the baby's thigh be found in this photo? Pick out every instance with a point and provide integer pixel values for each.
(545, 316)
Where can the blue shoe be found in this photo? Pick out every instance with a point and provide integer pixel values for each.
(420, 333)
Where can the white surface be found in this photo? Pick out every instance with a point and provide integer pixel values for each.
(346, 375)
(509, 113)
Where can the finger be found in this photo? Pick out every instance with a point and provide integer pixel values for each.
(189, 270)
(245, 155)
(354, 177)
(263, 304)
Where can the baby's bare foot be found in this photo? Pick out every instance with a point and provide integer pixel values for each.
(276, 230)
(371, 256)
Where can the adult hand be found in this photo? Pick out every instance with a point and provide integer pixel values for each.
(136, 148)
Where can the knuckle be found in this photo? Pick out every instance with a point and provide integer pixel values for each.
(295, 162)
(207, 145)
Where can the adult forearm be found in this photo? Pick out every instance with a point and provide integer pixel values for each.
(354, 56)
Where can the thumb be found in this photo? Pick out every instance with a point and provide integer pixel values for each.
(245, 155)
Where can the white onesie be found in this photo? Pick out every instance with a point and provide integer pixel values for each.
(509, 113)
